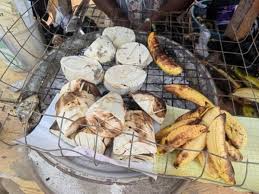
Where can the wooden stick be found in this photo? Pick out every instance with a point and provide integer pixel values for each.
(243, 19)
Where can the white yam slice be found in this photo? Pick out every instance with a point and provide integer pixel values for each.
(70, 107)
(88, 140)
(75, 99)
(124, 79)
(106, 116)
(101, 49)
(139, 123)
(133, 53)
(75, 67)
(151, 104)
(119, 35)
(80, 85)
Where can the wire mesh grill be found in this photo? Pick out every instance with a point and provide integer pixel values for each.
(46, 78)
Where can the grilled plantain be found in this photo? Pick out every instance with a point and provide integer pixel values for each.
(210, 115)
(167, 64)
(210, 169)
(165, 131)
(188, 93)
(233, 153)
(180, 136)
(216, 145)
(235, 131)
(250, 94)
(186, 156)
(198, 143)
(197, 113)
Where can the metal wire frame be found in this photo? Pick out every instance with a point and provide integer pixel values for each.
(173, 30)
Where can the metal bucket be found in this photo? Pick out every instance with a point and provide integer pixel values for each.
(20, 34)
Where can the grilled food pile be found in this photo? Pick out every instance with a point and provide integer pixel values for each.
(207, 129)
(117, 45)
(86, 119)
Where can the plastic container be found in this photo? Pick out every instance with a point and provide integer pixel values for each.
(22, 44)
(200, 10)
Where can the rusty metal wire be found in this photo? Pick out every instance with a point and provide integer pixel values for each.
(184, 33)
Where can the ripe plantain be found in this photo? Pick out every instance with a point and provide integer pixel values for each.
(167, 64)
(185, 156)
(248, 79)
(236, 133)
(210, 115)
(249, 111)
(198, 143)
(180, 136)
(250, 94)
(165, 131)
(188, 93)
(233, 153)
(216, 145)
(197, 113)
(210, 169)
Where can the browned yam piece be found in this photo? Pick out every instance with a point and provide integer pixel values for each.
(151, 104)
(167, 64)
(81, 85)
(104, 124)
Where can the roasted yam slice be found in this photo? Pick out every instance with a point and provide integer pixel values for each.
(79, 85)
(210, 169)
(106, 116)
(188, 93)
(101, 50)
(235, 131)
(124, 79)
(185, 156)
(165, 131)
(216, 145)
(167, 64)
(143, 142)
(90, 141)
(151, 104)
(180, 136)
(70, 107)
(233, 153)
(119, 35)
(87, 68)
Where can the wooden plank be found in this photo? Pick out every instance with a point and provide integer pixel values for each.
(243, 19)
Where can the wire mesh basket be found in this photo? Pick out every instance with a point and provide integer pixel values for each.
(177, 36)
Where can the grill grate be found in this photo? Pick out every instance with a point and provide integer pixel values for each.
(46, 79)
